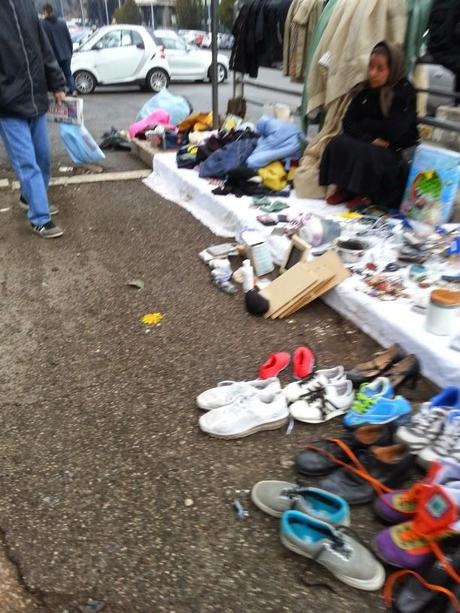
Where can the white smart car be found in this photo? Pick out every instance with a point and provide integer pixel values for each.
(188, 63)
(120, 55)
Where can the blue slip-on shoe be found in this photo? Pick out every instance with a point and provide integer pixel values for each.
(366, 397)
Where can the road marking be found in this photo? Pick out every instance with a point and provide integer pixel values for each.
(4, 183)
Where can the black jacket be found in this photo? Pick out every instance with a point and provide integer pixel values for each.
(28, 68)
(59, 37)
(444, 40)
(365, 121)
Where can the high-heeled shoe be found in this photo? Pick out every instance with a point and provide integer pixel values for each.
(405, 371)
(378, 364)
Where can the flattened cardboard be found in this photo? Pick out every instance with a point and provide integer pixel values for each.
(303, 283)
(288, 286)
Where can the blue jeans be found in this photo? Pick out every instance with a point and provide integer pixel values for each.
(65, 67)
(26, 143)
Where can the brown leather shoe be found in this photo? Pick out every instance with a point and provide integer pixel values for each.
(406, 370)
(380, 362)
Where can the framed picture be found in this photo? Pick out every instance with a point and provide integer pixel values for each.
(298, 252)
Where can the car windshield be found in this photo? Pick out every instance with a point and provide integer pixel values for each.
(87, 39)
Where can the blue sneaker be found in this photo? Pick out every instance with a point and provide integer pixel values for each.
(449, 398)
(366, 397)
(383, 411)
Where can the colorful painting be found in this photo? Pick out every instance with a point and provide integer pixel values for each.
(432, 185)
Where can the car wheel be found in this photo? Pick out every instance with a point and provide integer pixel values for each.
(85, 82)
(157, 79)
(221, 73)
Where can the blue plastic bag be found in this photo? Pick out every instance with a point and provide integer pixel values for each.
(80, 145)
(178, 107)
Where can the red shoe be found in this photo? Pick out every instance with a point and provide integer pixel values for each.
(357, 202)
(303, 362)
(274, 365)
(338, 198)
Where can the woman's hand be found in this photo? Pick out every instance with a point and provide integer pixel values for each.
(380, 142)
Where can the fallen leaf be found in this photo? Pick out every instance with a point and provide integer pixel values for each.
(137, 283)
(152, 319)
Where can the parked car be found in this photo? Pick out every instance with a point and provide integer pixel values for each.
(187, 62)
(120, 55)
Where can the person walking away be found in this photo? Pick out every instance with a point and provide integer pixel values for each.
(366, 161)
(28, 70)
(61, 42)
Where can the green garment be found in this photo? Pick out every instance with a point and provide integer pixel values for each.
(317, 34)
(418, 13)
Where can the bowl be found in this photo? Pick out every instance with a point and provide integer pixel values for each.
(351, 250)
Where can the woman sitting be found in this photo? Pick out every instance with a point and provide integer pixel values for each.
(365, 162)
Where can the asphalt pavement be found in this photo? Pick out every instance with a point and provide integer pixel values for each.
(109, 491)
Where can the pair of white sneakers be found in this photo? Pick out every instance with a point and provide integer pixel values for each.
(239, 408)
(321, 397)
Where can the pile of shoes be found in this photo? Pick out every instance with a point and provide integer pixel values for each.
(242, 408)
(236, 409)
(424, 541)
(377, 452)
(434, 431)
(314, 525)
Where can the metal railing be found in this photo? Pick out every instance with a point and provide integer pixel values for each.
(239, 83)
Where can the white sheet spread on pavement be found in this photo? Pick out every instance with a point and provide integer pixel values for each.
(386, 322)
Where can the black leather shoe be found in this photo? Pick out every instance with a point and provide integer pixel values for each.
(389, 465)
(313, 463)
(413, 597)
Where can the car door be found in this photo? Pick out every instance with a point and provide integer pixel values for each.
(118, 56)
(183, 65)
(108, 55)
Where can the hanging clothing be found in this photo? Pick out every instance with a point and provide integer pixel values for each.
(351, 160)
(258, 32)
(287, 37)
(444, 41)
(303, 20)
(418, 13)
(316, 39)
(306, 181)
(353, 30)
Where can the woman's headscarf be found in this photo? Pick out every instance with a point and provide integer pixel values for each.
(395, 56)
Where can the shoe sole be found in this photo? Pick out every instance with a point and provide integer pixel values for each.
(48, 236)
(273, 425)
(369, 585)
(321, 421)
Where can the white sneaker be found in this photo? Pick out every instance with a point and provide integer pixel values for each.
(265, 411)
(227, 392)
(424, 428)
(447, 446)
(322, 405)
(317, 380)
